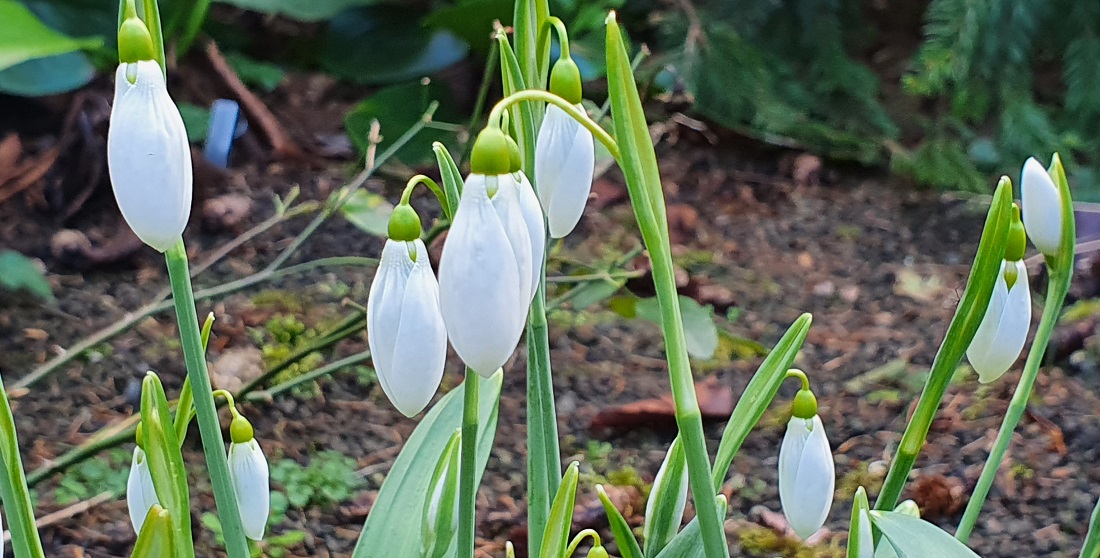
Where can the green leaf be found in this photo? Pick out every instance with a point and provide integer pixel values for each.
(912, 537)
(20, 272)
(155, 539)
(397, 108)
(368, 211)
(472, 21)
(47, 76)
(452, 177)
(395, 523)
(383, 45)
(301, 10)
(560, 521)
(25, 37)
(665, 509)
(624, 536)
(758, 395)
(196, 120)
(702, 334)
(253, 72)
(689, 542)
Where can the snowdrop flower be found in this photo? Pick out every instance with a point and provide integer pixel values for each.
(531, 210)
(140, 494)
(148, 156)
(1003, 331)
(1042, 203)
(806, 470)
(249, 476)
(405, 330)
(565, 154)
(486, 272)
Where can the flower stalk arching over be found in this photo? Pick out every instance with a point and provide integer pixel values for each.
(148, 156)
(405, 330)
(807, 474)
(248, 472)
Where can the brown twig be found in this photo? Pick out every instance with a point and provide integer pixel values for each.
(284, 147)
(71, 511)
(31, 174)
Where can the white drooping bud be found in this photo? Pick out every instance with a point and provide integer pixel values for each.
(536, 226)
(1003, 331)
(485, 273)
(565, 160)
(148, 156)
(405, 330)
(806, 475)
(248, 473)
(140, 494)
(1042, 208)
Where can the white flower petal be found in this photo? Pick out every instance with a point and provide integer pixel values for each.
(1042, 207)
(387, 291)
(249, 475)
(565, 159)
(481, 291)
(148, 156)
(806, 475)
(536, 227)
(140, 494)
(507, 205)
(421, 350)
(1003, 330)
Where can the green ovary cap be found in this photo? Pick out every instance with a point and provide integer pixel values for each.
(804, 405)
(1017, 238)
(598, 552)
(565, 80)
(404, 223)
(240, 430)
(515, 161)
(491, 154)
(134, 41)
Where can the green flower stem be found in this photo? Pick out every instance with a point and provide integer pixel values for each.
(546, 97)
(1091, 547)
(467, 481)
(556, 24)
(13, 487)
(543, 453)
(577, 540)
(638, 161)
(1060, 267)
(1056, 294)
(406, 194)
(959, 334)
(206, 411)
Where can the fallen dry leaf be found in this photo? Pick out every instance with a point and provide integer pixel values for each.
(715, 403)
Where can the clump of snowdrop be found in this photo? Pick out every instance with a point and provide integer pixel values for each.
(1003, 331)
(248, 473)
(487, 273)
(565, 154)
(405, 330)
(806, 471)
(148, 156)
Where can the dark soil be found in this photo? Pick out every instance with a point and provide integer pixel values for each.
(878, 264)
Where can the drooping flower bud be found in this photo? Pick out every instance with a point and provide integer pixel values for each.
(140, 494)
(1042, 201)
(148, 156)
(565, 155)
(1003, 331)
(487, 273)
(248, 473)
(806, 471)
(405, 330)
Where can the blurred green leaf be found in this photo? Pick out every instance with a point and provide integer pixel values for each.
(912, 537)
(196, 119)
(301, 10)
(47, 76)
(472, 21)
(702, 334)
(382, 45)
(397, 108)
(25, 37)
(253, 72)
(368, 211)
(20, 272)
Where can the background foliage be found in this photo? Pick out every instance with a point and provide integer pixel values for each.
(949, 92)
